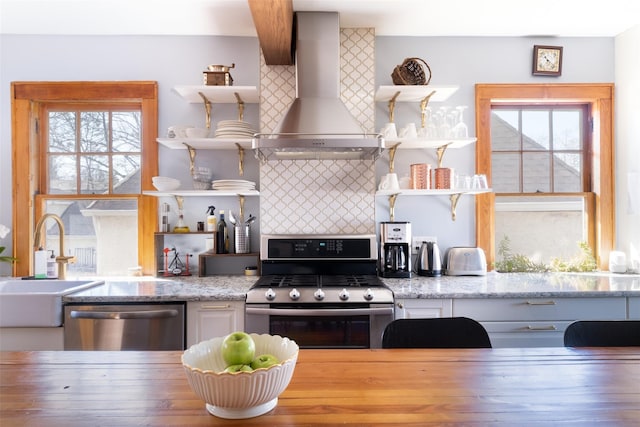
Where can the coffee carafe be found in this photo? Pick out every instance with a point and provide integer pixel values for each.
(395, 249)
(429, 261)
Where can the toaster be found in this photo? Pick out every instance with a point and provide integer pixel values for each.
(459, 261)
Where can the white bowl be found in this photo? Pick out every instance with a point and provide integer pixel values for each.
(162, 183)
(242, 394)
(197, 133)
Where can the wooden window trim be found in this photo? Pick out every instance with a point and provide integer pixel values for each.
(25, 100)
(599, 96)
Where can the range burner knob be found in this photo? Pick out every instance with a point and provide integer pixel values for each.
(294, 294)
(368, 294)
(319, 294)
(344, 294)
(270, 294)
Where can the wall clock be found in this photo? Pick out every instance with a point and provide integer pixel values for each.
(547, 60)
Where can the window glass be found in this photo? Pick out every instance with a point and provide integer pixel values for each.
(536, 174)
(101, 235)
(566, 130)
(505, 130)
(94, 151)
(535, 130)
(506, 172)
(541, 228)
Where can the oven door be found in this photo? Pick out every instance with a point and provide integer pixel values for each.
(322, 326)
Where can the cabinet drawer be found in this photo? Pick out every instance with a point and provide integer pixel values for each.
(531, 309)
(526, 334)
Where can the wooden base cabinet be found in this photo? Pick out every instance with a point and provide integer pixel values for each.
(536, 322)
(422, 308)
(210, 319)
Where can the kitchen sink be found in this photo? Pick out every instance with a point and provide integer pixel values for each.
(36, 303)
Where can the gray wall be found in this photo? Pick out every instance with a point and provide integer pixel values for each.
(180, 60)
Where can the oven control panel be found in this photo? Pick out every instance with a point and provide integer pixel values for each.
(317, 295)
(317, 247)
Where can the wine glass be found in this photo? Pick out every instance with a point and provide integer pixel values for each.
(460, 130)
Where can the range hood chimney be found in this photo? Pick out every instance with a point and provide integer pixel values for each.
(318, 125)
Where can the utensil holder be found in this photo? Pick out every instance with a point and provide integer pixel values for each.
(242, 239)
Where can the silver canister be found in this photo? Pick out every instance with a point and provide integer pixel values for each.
(242, 238)
(164, 226)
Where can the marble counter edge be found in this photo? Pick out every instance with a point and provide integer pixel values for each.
(493, 285)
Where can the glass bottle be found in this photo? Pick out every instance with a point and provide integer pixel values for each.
(222, 237)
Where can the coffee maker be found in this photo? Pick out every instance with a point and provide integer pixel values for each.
(395, 249)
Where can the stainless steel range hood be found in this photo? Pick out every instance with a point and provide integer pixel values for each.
(318, 125)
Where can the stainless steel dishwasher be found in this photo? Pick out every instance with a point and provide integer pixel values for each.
(124, 327)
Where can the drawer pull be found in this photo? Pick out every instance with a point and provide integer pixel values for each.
(215, 307)
(551, 302)
(542, 328)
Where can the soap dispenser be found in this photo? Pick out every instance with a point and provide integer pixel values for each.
(40, 264)
(52, 266)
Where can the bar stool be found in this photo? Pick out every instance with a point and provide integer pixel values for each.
(603, 333)
(441, 332)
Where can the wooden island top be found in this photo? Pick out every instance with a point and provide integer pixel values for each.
(511, 387)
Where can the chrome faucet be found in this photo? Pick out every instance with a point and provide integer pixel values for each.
(61, 260)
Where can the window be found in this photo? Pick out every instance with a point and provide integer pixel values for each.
(548, 153)
(89, 151)
(539, 158)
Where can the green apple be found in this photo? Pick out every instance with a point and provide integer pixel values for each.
(264, 361)
(238, 348)
(238, 368)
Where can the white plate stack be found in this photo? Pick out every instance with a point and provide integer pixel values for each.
(233, 185)
(234, 129)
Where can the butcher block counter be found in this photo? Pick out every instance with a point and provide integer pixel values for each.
(543, 386)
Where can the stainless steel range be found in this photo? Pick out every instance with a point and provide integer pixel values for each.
(322, 291)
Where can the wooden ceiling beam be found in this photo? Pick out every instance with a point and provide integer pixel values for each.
(274, 24)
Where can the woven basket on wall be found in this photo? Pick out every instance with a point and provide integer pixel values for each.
(412, 71)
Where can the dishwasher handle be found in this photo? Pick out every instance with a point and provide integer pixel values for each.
(114, 315)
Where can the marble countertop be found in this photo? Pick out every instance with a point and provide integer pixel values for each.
(493, 285)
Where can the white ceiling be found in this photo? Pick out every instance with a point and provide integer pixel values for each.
(580, 18)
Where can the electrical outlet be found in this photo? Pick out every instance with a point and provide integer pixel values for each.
(416, 241)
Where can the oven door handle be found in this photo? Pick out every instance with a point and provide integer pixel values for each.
(114, 315)
(308, 312)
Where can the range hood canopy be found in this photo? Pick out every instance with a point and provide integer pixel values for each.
(318, 125)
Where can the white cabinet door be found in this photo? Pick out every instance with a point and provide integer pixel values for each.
(634, 307)
(422, 308)
(210, 319)
(31, 339)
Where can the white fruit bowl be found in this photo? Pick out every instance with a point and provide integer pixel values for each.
(242, 394)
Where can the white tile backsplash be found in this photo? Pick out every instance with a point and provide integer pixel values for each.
(320, 196)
